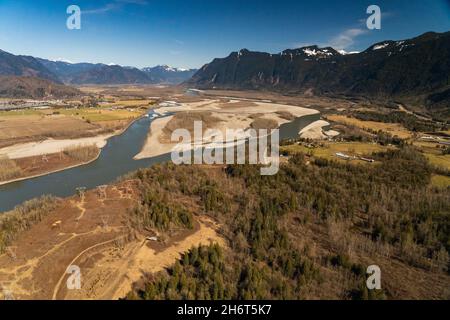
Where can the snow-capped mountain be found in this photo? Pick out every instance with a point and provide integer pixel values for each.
(168, 74)
(412, 67)
(343, 52)
(63, 71)
(165, 68)
(310, 53)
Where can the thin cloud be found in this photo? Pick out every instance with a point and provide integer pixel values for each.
(63, 60)
(108, 7)
(341, 41)
(115, 5)
(384, 15)
(303, 44)
(346, 38)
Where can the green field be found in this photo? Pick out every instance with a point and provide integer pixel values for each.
(17, 113)
(328, 151)
(440, 181)
(439, 160)
(98, 115)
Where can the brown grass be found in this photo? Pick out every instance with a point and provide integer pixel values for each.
(22, 218)
(261, 123)
(9, 169)
(394, 129)
(185, 120)
(286, 115)
(240, 104)
(82, 153)
(440, 181)
(38, 127)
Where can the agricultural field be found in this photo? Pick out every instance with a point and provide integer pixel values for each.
(34, 125)
(128, 103)
(442, 161)
(31, 125)
(440, 181)
(433, 152)
(20, 113)
(101, 114)
(393, 128)
(328, 150)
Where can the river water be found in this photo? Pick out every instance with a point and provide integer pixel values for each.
(115, 160)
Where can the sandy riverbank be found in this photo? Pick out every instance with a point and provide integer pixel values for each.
(52, 148)
(49, 146)
(232, 114)
(315, 131)
(45, 172)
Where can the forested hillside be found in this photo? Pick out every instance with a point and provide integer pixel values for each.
(308, 232)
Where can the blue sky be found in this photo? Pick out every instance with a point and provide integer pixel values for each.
(190, 33)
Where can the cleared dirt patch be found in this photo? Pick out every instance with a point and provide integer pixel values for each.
(44, 251)
(118, 267)
(91, 231)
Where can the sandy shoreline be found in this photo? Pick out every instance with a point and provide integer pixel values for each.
(51, 171)
(315, 131)
(37, 149)
(48, 146)
(232, 115)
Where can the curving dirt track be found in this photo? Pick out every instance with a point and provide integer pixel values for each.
(90, 231)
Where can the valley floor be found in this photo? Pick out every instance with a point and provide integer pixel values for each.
(306, 233)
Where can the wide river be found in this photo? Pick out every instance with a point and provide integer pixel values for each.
(115, 160)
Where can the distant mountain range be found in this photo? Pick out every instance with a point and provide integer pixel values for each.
(415, 70)
(11, 65)
(89, 73)
(418, 67)
(170, 75)
(34, 88)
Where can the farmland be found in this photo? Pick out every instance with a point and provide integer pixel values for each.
(34, 141)
(328, 150)
(392, 128)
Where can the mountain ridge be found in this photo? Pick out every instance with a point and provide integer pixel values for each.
(168, 74)
(34, 88)
(12, 65)
(417, 67)
(89, 73)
